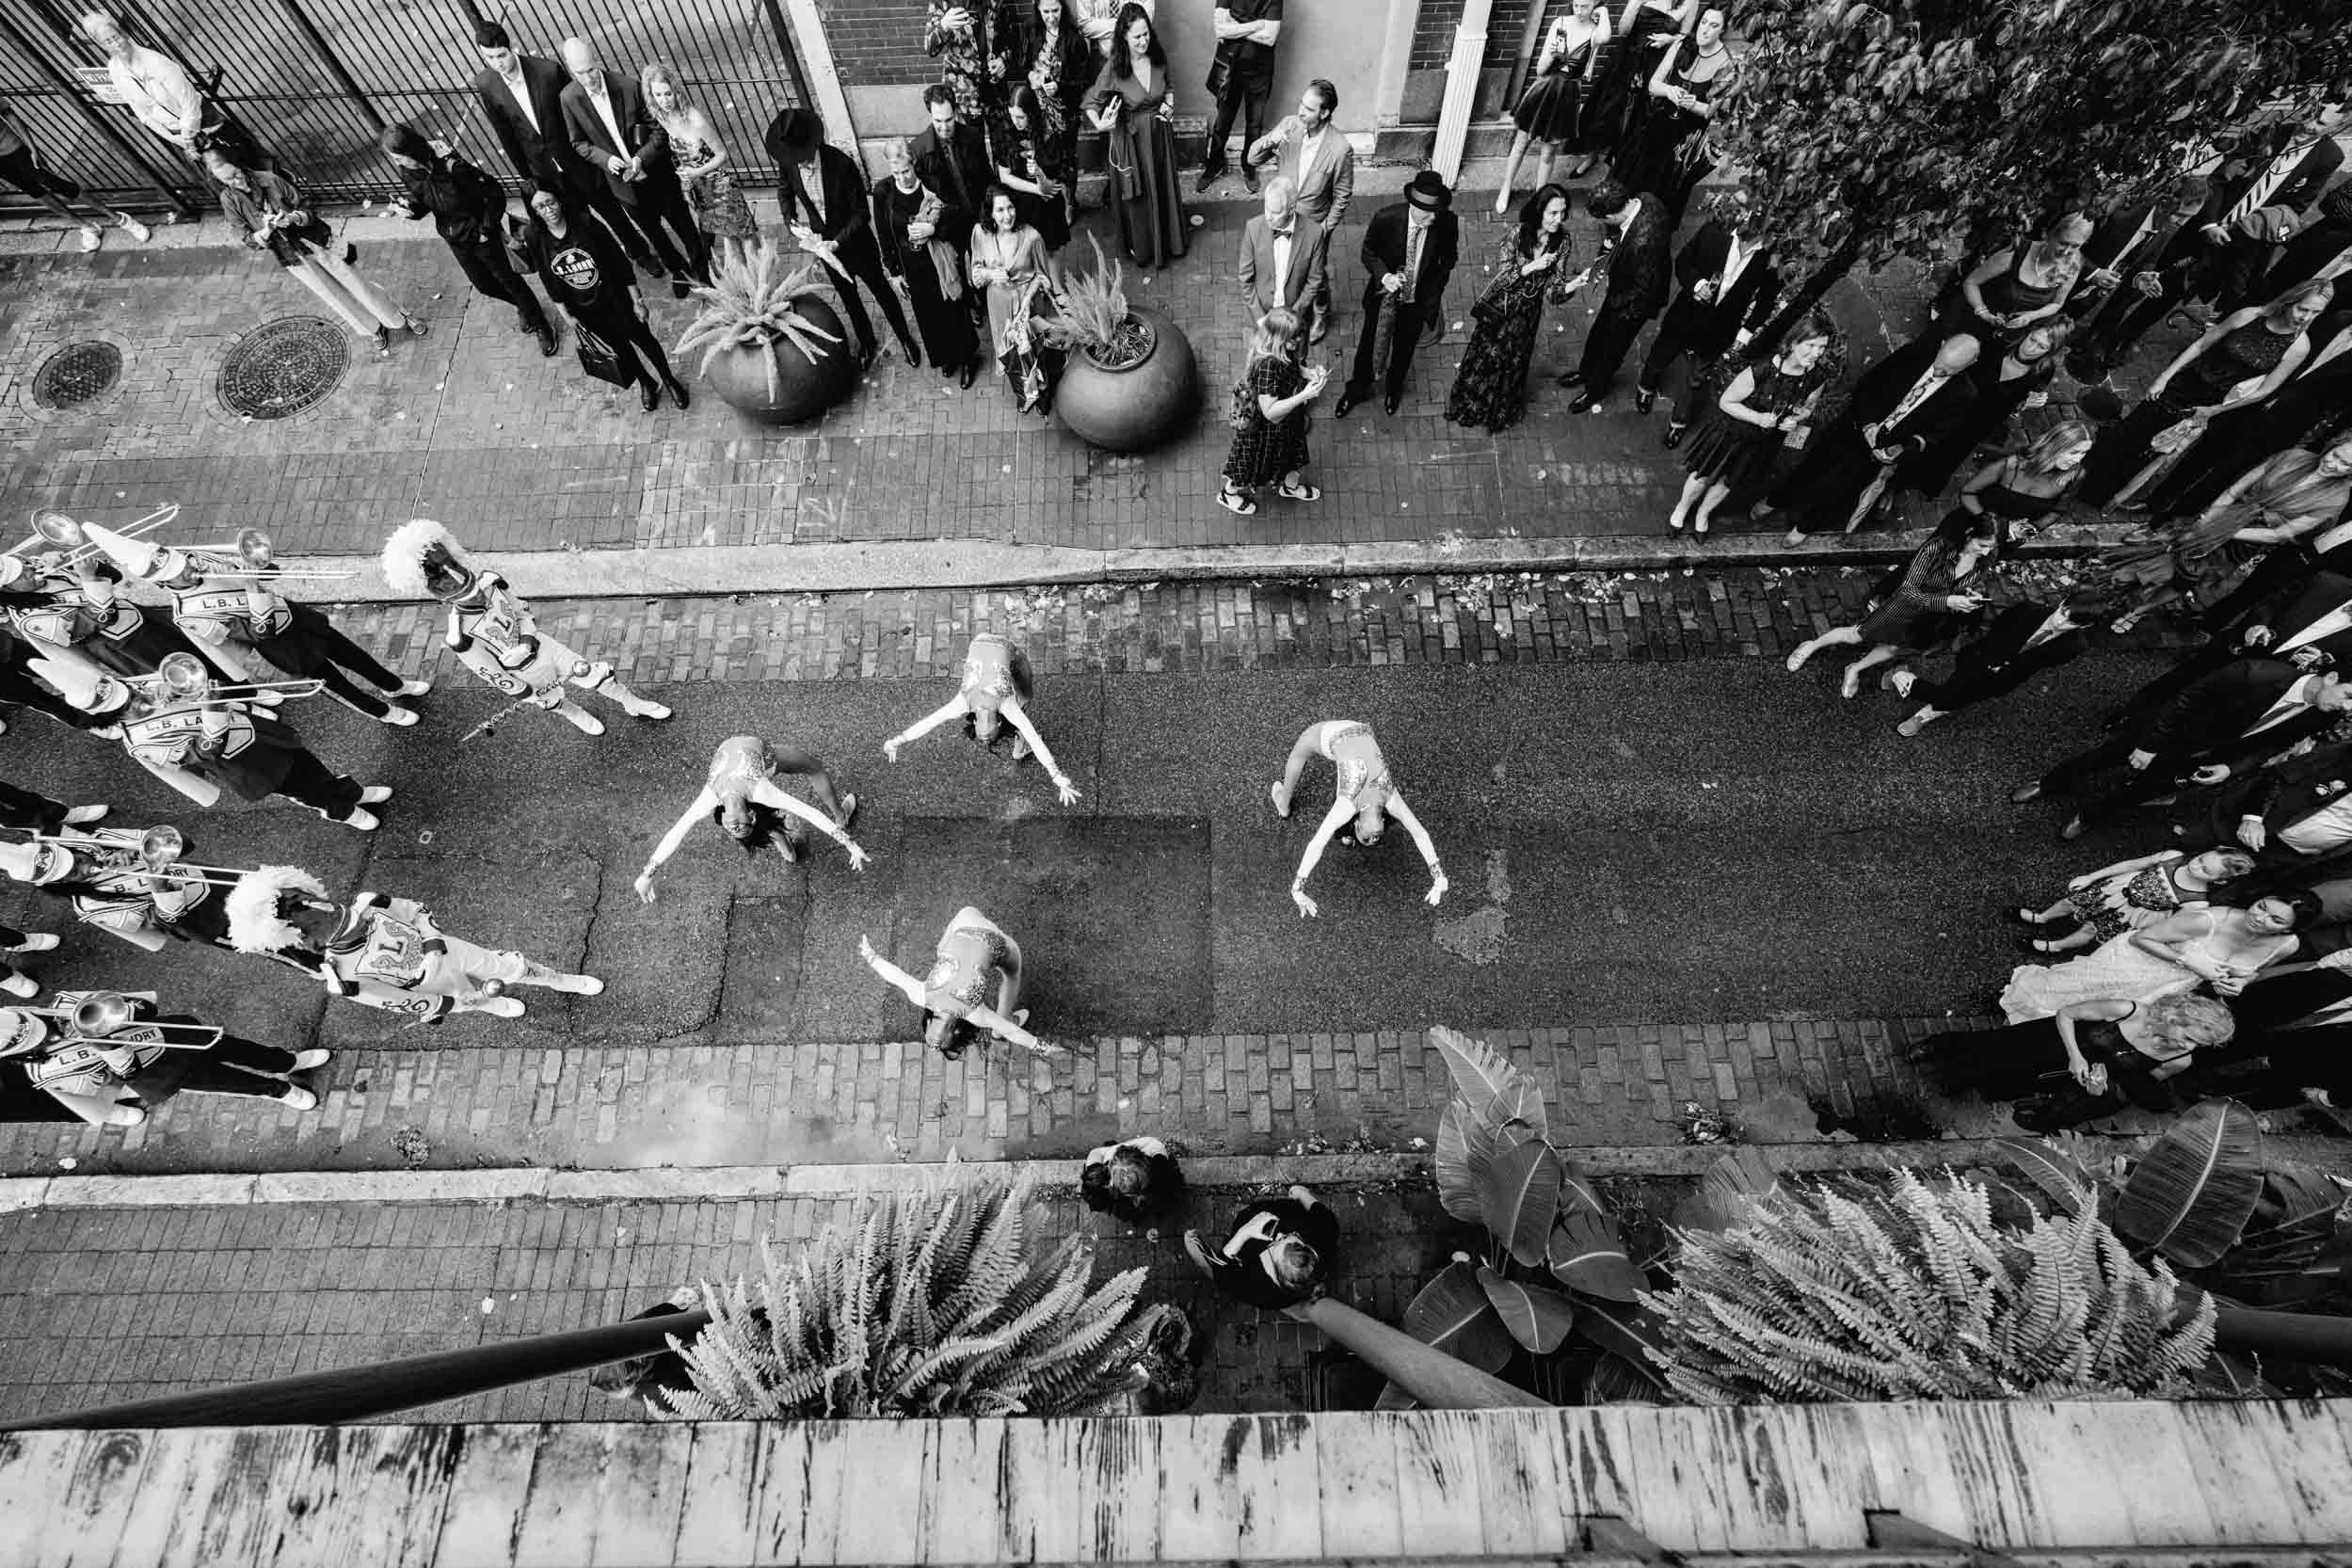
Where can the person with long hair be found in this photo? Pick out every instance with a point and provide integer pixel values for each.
(1269, 418)
(1647, 31)
(743, 793)
(2099, 906)
(1281, 1251)
(921, 246)
(1358, 815)
(2018, 287)
(2209, 944)
(1550, 116)
(1008, 263)
(995, 692)
(2022, 491)
(1032, 167)
(1744, 427)
(1489, 388)
(2201, 558)
(1134, 104)
(2017, 377)
(582, 269)
(269, 207)
(1051, 55)
(2241, 358)
(2088, 1059)
(469, 210)
(1666, 156)
(1948, 579)
(704, 170)
(976, 957)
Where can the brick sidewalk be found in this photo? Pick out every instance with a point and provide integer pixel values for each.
(473, 426)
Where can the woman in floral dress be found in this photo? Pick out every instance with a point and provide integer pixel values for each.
(1491, 388)
(703, 167)
(1051, 54)
(1270, 419)
(2098, 906)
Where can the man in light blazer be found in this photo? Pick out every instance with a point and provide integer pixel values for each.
(606, 122)
(1321, 168)
(522, 97)
(1282, 254)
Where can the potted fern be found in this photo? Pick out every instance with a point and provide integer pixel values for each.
(1131, 381)
(771, 347)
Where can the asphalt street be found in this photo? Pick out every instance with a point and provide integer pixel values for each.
(1684, 842)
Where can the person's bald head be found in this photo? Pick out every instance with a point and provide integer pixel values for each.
(580, 59)
(1957, 353)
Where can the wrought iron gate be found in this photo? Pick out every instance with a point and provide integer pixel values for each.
(315, 79)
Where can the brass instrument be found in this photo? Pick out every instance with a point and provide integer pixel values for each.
(185, 676)
(253, 549)
(54, 530)
(101, 1013)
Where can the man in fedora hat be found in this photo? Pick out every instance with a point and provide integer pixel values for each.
(1410, 249)
(825, 207)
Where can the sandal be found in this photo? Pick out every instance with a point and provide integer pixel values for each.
(1235, 502)
(1304, 492)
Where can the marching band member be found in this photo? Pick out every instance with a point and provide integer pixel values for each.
(741, 795)
(29, 812)
(13, 942)
(19, 687)
(1364, 801)
(217, 597)
(382, 952)
(997, 686)
(83, 613)
(187, 736)
(100, 874)
(94, 1045)
(492, 632)
(973, 952)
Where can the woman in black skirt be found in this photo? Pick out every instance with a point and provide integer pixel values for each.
(1742, 431)
(1551, 111)
(2005, 382)
(2089, 1060)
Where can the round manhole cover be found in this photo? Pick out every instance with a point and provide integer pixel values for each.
(77, 374)
(281, 369)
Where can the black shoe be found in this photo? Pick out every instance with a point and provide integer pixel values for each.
(913, 355)
(1208, 177)
(546, 335)
(1673, 439)
(652, 268)
(1568, 379)
(1391, 403)
(1347, 400)
(1583, 403)
(651, 395)
(1248, 178)
(1643, 401)
(867, 354)
(971, 373)
(677, 393)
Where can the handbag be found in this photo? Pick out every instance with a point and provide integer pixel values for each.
(599, 359)
(1220, 75)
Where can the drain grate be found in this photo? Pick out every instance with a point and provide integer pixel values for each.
(77, 374)
(280, 369)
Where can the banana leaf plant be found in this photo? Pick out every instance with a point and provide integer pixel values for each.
(1555, 1266)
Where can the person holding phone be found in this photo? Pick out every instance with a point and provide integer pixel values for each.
(1947, 580)
(1269, 418)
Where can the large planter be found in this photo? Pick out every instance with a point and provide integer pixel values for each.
(803, 391)
(1139, 405)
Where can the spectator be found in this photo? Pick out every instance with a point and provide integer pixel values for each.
(2016, 378)
(22, 165)
(1281, 1252)
(1241, 79)
(2201, 558)
(1666, 156)
(1041, 187)
(1491, 387)
(1136, 1180)
(2099, 906)
(1410, 249)
(2219, 945)
(1947, 580)
(2117, 1050)
(2146, 251)
(2023, 641)
(829, 211)
(1283, 255)
(2018, 287)
(605, 120)
(969, 39)
(2296, 815)
(1098, 19)
(155, 89)
(922, 238)
(582, 270)
(1634, 269)
(1550, 114)
(1270, 419)
(1008, 266)
(1051, 54)
(1321, 166)
(522, 97)
(469, 208)
(1729, 289)
(705, 173)
(267, 206)
(1745, 425)
(1135, 105)
(2310, 408)
(1901, 406)
(951, 160)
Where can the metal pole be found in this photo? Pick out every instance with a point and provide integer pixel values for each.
(792, 53)
(72, 91)
(351, 1394)
(334, 62)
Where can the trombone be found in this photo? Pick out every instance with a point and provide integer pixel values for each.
(97, 1017)
(183, 675)
(254, 548)
(160, 849)
(53, 529)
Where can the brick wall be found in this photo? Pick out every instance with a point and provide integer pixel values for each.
(879, 42)
(1433, 33)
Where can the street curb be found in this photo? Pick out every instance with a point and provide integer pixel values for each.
(737, 1183)
(900, 565)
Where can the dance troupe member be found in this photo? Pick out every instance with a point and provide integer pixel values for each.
(997, 686)
(972, 952)
(1365, 794)
(492, 632)
(381, 953)
(743, 797)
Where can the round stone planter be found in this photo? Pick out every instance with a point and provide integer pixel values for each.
(1139, 405)
(803, 391)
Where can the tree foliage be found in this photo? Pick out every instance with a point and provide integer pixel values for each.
(1874, 132)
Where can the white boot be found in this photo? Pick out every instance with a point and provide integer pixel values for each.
(555, 979)
(630, 703)
(582, 720)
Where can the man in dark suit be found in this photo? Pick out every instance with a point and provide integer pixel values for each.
(2308, 624)
(2024, 641)
(522, 95)
(827, 207)
(2214, 729)
(1633, 269)
(605, 120)
(2308, 410)
(1729, 289)
(1410, 249)
(2146, 250)
(2323, 242)
(1902, 405)
(1283, 255)
(2292, 816)
(951, 159)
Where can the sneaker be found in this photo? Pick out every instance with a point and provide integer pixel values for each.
(376, 794)
(577, 984)
(134, 228)
(90, 240)
(122, 1116)
(499, 1007)
(296, 1097)
(643, 710)
(304, 1059)
(20, 984)
(40, 941)
(582, 720)
(397, 716)
(78, 816)
(362, 819)
(412, 688)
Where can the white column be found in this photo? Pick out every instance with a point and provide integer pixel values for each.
(1462, 89)
(824, 78)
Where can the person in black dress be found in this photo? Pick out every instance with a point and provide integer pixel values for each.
(1551, 112)
(2090, 1060)
(2016, 288)
(2311, 409)
(1947, 582)
(1647, 31)
(2023, 641)
(2005, 382)
(1666, 152)
(1281, 1252)
(1530, 269)
(1744, 427)
(1041, 187)
(582, 269)
(923, 240)
(1269, 418)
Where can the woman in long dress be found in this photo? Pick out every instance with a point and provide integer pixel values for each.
(2098, 906)
(1490, 390)
(2201, 558)
(2221, 948)
(1550, 114)
(704, 169)
(1008, 261)
(1270, 419)
(2024, 489)
(1666, 156)
(1646, 30)
(922, 239)
(2087, 1060)
(2019, 378)
(1134, 104)
(1740, 435)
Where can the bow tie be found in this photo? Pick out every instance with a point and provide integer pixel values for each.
(1284, 233)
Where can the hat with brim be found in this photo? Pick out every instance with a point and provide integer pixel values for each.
(21, 1031)
(2268, 225)
(1427, 191)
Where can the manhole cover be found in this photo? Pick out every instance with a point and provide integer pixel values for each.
(77, 374)
(284, 367)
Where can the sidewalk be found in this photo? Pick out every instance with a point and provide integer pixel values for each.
(521, 453)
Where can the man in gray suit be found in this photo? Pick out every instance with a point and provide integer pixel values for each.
(1282, 253)
(1320, 166)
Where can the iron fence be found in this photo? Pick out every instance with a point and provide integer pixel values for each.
(315, 79)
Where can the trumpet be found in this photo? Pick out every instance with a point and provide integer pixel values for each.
(254, 549)
(53, 529)
(100, 1013)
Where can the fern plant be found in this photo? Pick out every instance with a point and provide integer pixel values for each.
(752, 303)
(1096, 316)
(931, 1302)
(1912, 1292)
